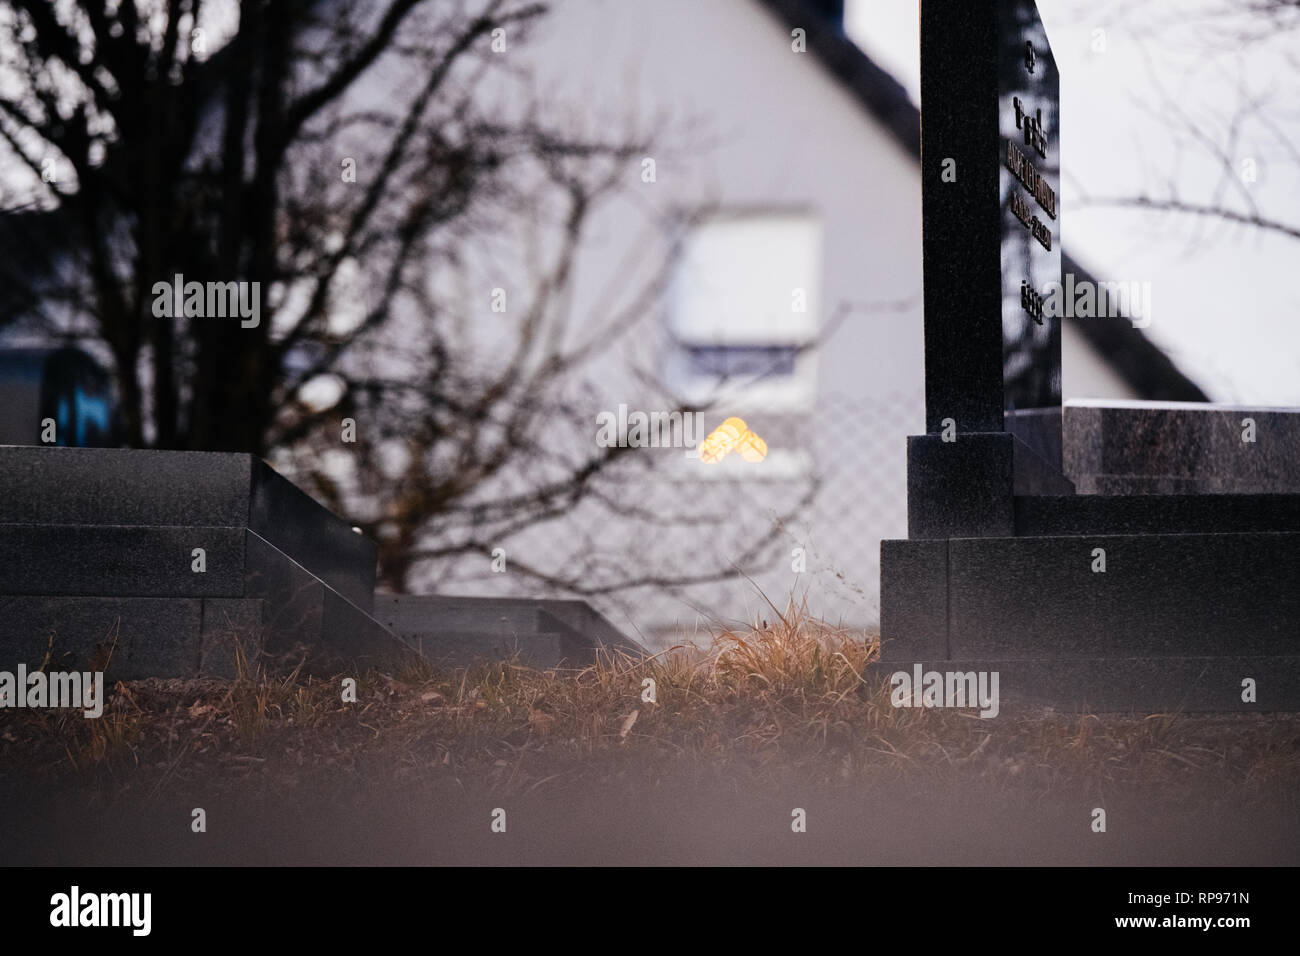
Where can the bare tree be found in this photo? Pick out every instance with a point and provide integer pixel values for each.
(1257, 127)
(343, 156)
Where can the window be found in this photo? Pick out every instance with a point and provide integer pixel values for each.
(730, 361)
(744, 310)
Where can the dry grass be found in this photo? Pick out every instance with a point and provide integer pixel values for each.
(763, 707)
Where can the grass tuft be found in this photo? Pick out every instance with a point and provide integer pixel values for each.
(782, 701)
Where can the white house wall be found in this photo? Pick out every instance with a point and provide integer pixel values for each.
(758, 126)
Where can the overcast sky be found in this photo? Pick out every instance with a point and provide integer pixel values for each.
(1225, 304)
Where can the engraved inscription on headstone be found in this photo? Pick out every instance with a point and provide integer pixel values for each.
(1028, 119)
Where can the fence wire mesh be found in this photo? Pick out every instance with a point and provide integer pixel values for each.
(684, 548)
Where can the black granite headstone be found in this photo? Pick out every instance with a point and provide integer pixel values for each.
(991, 221)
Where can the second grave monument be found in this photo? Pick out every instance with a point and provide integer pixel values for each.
(1077, 601)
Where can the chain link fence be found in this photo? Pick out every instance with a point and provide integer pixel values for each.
(707, 546)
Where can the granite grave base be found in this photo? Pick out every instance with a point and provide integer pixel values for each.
(1116, 556)
(1123, 684)
(1089, 580)
(191, 564)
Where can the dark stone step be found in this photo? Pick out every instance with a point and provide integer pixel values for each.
(545, 632)
(1039, 597)
(82, 576)
(111, 486)
(1155, 514)
(1141, 685)
(153, 637)
(120, 561)
(450, 649)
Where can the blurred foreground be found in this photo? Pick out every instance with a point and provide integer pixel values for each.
(586, 770)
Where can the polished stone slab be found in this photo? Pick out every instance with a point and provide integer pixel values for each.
(134, 487)
(1144, 448)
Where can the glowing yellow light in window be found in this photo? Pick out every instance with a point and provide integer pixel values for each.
(732, 435)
